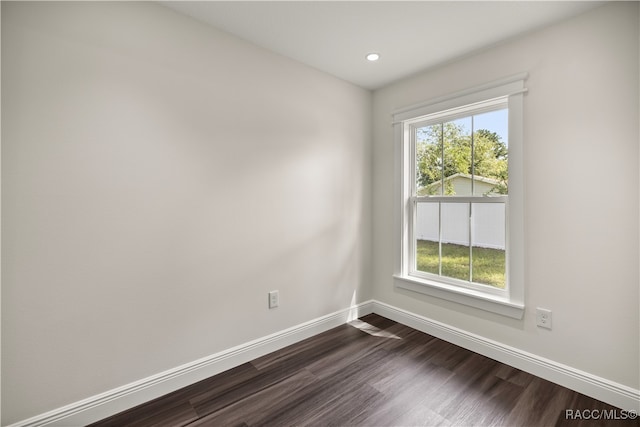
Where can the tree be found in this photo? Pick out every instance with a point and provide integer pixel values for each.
(447, 146)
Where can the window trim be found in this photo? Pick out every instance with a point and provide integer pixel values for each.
(511, 302)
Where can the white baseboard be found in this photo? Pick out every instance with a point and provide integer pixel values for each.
(613, 393)
(117, 400)
(122, 398)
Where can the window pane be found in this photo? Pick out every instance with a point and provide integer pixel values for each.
(427, 232)
(463, 157)
(429, 160)
(451, 244)
(455, 240)
(488, 237)
(457, 157)
(490, 152)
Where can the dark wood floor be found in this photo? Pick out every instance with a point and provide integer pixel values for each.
(372, 372)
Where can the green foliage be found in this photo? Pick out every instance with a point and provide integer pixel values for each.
(443, 150)
(488, 264)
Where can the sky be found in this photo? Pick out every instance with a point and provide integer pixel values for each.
(494, 121)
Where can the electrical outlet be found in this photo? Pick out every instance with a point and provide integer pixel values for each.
(543, 318)
(274, 299)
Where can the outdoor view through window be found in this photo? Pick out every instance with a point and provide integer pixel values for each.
(460, 195)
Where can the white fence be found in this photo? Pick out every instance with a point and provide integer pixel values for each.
(487, 224)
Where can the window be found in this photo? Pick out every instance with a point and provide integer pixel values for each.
(459, 184)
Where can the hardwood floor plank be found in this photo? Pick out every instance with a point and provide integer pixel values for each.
(487, 403)
(177, 415)
(311, 349)
(325, 406)
(514, 375)
(252, 409)
(372, 372)
(540, 404)
(409, 387)
(345, 356)
(221, 383)
(210, 402)
(334, 399)
(144, 414)
(401, 414)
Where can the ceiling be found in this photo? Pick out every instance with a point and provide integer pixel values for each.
(335, 36)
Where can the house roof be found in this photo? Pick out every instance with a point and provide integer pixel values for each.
(476, 178)
(469, 177)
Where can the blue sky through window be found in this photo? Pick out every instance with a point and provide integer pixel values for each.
(494, 121)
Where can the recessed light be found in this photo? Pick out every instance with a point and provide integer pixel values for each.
(372, 56)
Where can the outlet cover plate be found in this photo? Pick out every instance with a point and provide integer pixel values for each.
(274, 299)
(543, 318)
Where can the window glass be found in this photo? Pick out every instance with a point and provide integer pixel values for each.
(457, 157)
(468, 157)
(488, 247)
(428, 154)
(463, 157)
(455, 240)
(491, 153)
(427, 238)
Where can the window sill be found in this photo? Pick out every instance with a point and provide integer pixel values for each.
(469, 297)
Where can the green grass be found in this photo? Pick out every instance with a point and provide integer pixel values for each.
(488, 264)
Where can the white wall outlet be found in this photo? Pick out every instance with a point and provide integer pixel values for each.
(274, 299)
(543, 318)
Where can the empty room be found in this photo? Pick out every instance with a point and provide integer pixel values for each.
(320, 213)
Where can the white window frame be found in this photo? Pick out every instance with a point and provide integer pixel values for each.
(508, 92)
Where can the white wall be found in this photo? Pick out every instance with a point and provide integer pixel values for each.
(581, 141)
(137, 147)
